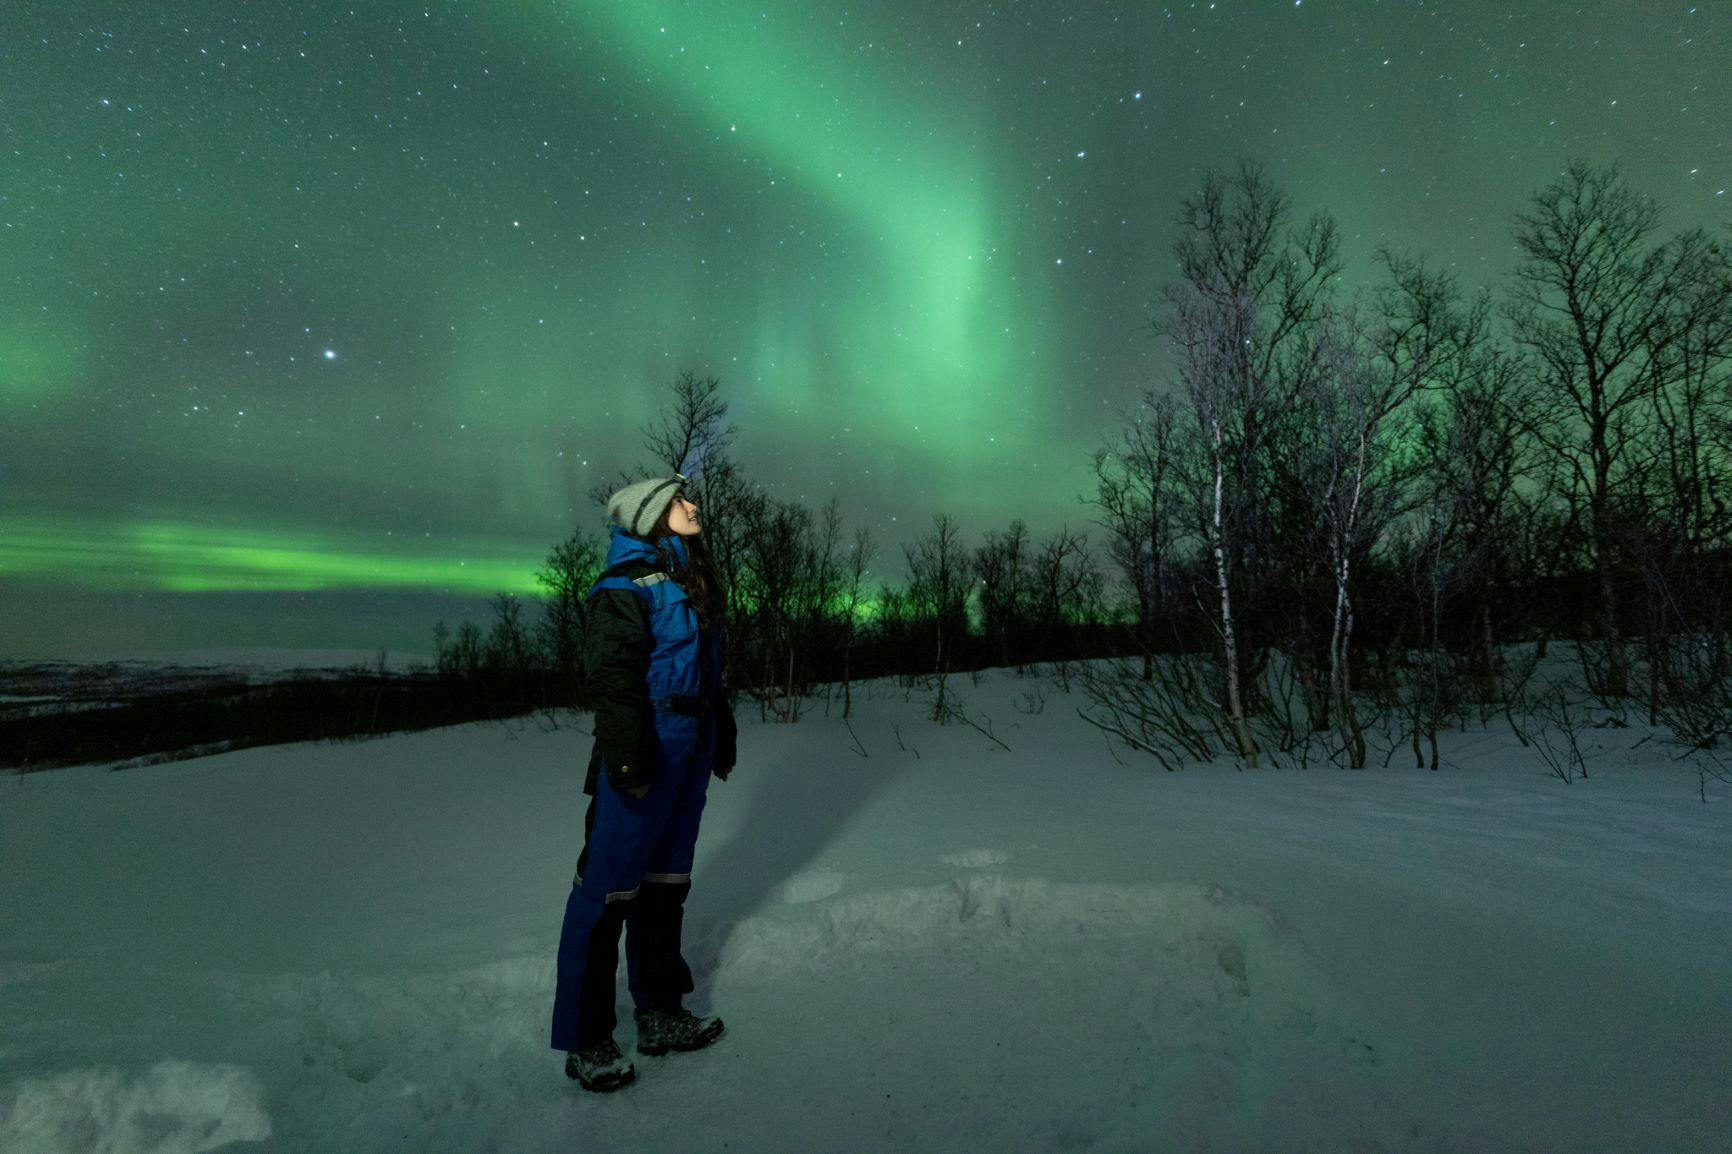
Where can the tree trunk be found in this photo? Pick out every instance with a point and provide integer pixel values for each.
(1617, 676)
(1235, 703)
(938, 668)
(1489, 646)
(847, 687)
(1352, 736)
(1617, 679)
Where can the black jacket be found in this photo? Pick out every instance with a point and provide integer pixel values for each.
(616, 654)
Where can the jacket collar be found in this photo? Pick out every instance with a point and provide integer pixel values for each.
(626, 547)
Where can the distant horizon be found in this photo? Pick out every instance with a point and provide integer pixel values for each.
(262, 657)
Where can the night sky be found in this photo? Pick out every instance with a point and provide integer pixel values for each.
(317, 321)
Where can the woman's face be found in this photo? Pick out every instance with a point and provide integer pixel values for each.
(683, 517)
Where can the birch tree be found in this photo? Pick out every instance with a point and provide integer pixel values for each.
(1237, 319)
(1353, 408)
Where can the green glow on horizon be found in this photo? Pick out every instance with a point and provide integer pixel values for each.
(185, 557)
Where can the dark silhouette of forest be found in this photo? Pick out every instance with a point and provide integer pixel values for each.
(1336, 527)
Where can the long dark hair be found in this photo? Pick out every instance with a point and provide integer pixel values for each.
(701, 580)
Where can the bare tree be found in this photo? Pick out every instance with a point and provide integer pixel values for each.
(893, 624)
(444, 654)
(690, 438)
(685, 438)
(1135, 489)
(1476, 472)
(1355, 420)
(507, 646)
(1063, 579)
(822, 625)
(1238, 320)
(1417, 548)
(938, 592)
(1679, 536)
(570, 569)
(1341, 409)
(860, 555)
(777, 569)
(1001, 569)
(466, 651)
(730, 507)
(1599, 307)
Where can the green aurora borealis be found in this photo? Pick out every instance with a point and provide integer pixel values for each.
(318, 320)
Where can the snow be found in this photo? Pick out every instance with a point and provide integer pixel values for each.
(939, 946)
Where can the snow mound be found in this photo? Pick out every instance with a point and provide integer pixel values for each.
(1203, 1008)
(174, 1107)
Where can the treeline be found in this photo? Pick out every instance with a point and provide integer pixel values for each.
(1326, 533)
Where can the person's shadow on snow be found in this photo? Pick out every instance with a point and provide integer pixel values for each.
(794, 812)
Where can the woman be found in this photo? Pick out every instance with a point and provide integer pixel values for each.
(653, 650)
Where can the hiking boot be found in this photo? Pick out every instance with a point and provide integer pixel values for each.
(659, 1031)
(600, 1067)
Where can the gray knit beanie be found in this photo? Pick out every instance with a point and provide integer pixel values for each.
(637, 507)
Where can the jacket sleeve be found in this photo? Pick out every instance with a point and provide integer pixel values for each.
(616, 653)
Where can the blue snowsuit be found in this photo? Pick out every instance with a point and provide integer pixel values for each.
(662, 718)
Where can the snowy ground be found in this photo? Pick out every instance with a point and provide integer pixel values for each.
(943, 947)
